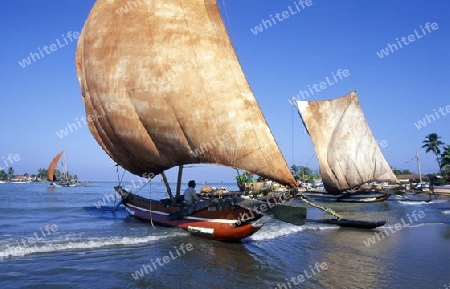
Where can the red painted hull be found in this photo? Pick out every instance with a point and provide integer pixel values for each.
(223, 224)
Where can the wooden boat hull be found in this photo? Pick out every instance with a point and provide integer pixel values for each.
(356, 223)
(356, 197)
(223, 223)
(363, 199)
(63, 185)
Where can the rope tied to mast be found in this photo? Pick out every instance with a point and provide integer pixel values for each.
(119, 181)
(150, 202)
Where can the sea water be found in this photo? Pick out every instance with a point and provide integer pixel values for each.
(70, 238)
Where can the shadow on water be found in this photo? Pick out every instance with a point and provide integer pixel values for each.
(214, 262)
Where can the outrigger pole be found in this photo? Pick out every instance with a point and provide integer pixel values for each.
(342, 221)
(327, 210)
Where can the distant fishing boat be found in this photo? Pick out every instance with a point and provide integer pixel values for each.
(51, 177)
(182, 98)
(348, 154)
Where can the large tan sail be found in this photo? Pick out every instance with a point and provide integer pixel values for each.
(348, 153)
(162, 87)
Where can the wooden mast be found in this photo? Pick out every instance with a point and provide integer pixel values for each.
(166, 183)
(180, 175)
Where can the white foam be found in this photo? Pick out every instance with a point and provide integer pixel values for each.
(61, 245)
(273, 232)
(446, 212)
(392, 226)
(318, 226)
(421, 202)
(414, 203)
(435, 201)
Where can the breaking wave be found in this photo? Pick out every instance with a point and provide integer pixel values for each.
(273, 231)
(16, 250)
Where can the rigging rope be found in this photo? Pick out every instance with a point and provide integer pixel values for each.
(292, 134)
(228, 27)
(119, 180)
(150, 202)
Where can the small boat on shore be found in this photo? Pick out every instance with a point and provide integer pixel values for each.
(360, 224)
(362, 196)
(223, 221)
(228, 218)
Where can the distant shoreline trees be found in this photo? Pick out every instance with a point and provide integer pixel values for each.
(445, 159)
(41, 175)
(304, 174)
(432, 143)
(398, 172)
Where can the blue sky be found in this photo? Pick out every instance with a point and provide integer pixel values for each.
(396, 91)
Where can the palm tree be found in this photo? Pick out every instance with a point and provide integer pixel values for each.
(294, 170)
(432, 144)
(445, 159)
(305, 172)
(58, 174)
(42, 174)
(3, 175)
(10, 172)
(301, 173)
